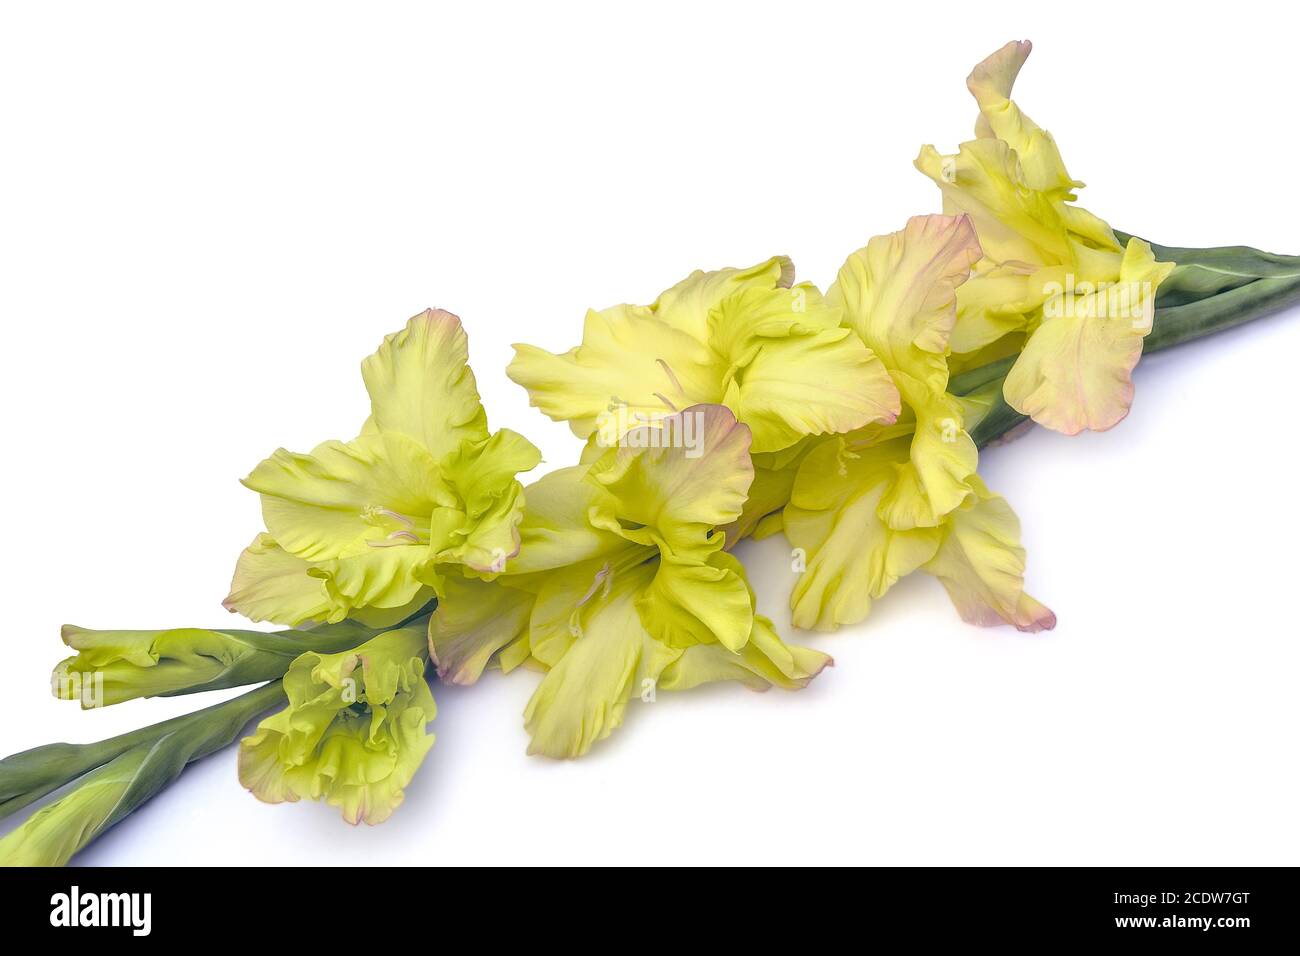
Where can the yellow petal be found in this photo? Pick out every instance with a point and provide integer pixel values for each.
(899, 293)
(630, 368)
(689, 604)
(474, 620)
(984, 180)
(686, 306)
(1075, 372)
(421, 386)
(941, 459)
(791, 370)
(671, 487)
(765, 661)
(344, 496)
(582, 699)
(354, 732)
(996, 301)
(990, 83)
(774, 476)
(376, 578)
(747, 338)
(851, 556)
(566, 595)
(822, 383)
(555, 531)
(982, 565)
(270, 584)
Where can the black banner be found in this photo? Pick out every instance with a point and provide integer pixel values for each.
(1174, 906)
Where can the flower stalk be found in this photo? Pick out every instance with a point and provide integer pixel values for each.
(117, 776)
(738, 403)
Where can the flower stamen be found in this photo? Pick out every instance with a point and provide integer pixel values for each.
(668, 370)
(395, 539)
(399, 518)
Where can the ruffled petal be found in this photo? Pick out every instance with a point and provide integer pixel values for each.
(345, 497)
(556, 531)
(583, 697)
(990, 83)
(794, 372)
(474, 621)
(851, 556)
(1014, 223)
(671, 486)
(270, 584)
(765, 661)
(353, 733)
(689, 604)
(373, 523)
(942, 459)
(747, 338)
(631, 368)
(996, 301)
(688, 304)
(481, 531)
(982, 565)
(899, 293)
(774, 476)
(421, 385)
(374, 578)
(1075, 372)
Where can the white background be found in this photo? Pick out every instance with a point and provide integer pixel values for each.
(210, 216)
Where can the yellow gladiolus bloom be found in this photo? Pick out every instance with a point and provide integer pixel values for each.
(1053, 275)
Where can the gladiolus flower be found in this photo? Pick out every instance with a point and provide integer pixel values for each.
(1055, 283)
(872, 506)
(370, 524)
(354, 732)
(622, 587)
(770, 351)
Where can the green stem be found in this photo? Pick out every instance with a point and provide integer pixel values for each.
(1195, 320)
(112, 791)
(976, 378)
(1202, 273)
(1244, 261)
(28, 776)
